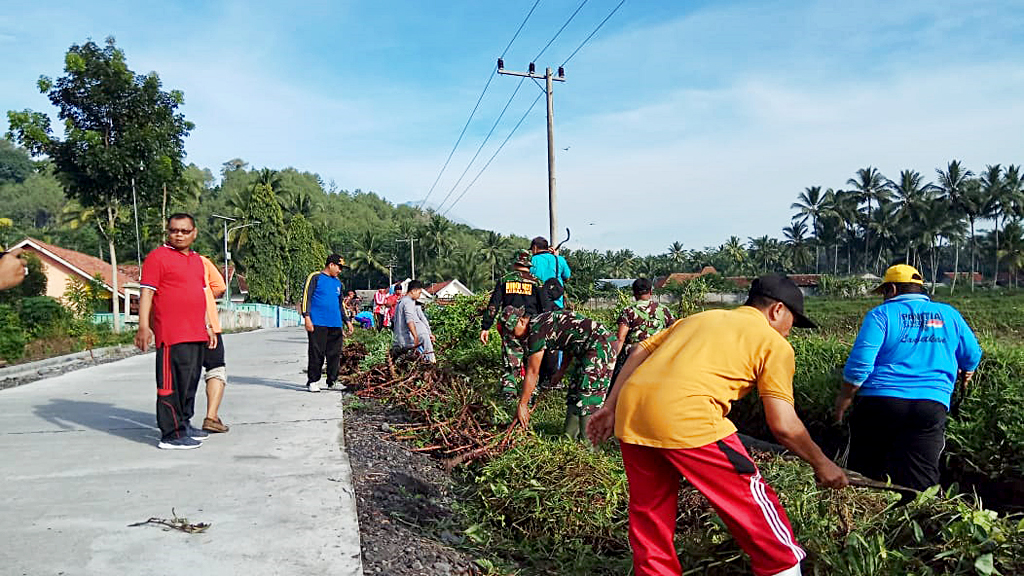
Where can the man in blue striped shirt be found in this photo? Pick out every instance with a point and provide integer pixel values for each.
(903, 367)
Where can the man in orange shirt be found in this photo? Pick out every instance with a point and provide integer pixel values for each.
(213, 359)
(669, 413)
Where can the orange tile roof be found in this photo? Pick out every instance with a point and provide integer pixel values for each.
(437, 287)
(84, 263)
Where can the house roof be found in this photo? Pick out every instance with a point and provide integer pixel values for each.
(681, 277)
(801, 280)
(437, 287)
(84, 265)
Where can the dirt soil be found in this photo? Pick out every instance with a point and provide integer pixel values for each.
(404, 499)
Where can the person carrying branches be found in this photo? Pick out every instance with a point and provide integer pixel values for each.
(585, 344)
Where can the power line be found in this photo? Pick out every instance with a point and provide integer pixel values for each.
(573, 54)
(475, 107)
(480, 148)
(482, 144)
(507, 138)
(557, 34)
(587, 39)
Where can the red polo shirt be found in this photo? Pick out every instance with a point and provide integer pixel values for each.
(179, 300)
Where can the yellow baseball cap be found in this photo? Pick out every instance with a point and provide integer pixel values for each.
(901, 274)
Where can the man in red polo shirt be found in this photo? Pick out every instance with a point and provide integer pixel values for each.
(172, 311)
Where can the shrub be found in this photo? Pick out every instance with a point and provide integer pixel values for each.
(12, 336)
(557, 491)
(41, 315)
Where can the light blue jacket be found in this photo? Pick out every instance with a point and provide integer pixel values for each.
(910, 347)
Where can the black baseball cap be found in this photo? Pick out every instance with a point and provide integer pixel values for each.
(783, 289)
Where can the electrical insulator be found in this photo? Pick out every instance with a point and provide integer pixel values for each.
(561, 72)
(501, 64)
(532, 68)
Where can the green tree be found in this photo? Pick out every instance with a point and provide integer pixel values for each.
(954, 182)
(15, 164)
(869, 185)
(265, 260)
(996, 204)
(811, 203)
(677, 254)
(797, 246)
(368, 258)
(116, 123)
(305, 254)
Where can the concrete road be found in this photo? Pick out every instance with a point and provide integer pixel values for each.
(79, 463)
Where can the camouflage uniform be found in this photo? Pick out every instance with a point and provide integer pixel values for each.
(589, 345)
(516, 288)
(645, 318)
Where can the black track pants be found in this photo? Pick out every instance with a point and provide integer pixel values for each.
(178, 368)
(324, 342)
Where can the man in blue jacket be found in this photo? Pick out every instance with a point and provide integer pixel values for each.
(907, 358)
(323, 313)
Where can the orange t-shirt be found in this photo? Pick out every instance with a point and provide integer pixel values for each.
(214, 283)
(680, 395)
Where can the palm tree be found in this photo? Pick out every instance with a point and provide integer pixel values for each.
(995, 204)
(468, 267)
(954, 183)
(811, 203)
(736, 254)
(676, 253)
(844, 206)
(796, 245)
(437, 235)
(368, 258)
(912, 196)
(869, 185)
(883, 224)
(492, 249)
(1012, 251)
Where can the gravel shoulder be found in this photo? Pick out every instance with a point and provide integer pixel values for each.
(404, 499)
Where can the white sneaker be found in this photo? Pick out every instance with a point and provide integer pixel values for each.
(337, 386)
(313, 387)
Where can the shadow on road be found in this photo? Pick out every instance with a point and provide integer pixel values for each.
(279, 384)
(101, 416)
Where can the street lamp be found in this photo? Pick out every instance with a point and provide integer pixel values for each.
(227, 255)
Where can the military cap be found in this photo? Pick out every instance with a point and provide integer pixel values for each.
(509, 317)
(522, 258)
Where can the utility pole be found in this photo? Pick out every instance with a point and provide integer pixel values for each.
(548, 79)
(391, 266)
(412, 254)
(227, 255)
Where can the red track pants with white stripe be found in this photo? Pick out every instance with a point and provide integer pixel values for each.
(725, 474)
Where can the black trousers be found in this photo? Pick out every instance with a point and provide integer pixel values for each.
(324, 342)
(901, 439)
(178, 368)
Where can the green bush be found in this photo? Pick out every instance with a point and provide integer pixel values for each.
(41, 315)
(12, 336)
(554, 490)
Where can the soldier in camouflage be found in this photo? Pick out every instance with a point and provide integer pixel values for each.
(585, 344)
(639, 321)
(520, 289)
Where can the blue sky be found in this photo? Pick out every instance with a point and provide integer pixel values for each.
(688, 121)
